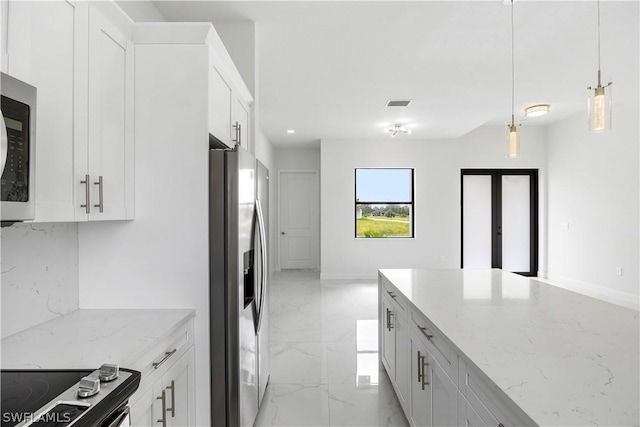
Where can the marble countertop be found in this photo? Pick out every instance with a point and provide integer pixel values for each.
(86, 338)
(563, 358)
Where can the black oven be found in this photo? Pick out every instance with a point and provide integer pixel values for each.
(17, 150)
(79, 398)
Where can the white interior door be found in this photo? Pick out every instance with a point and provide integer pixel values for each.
(299, 219)
(515, 222)
(476, 221)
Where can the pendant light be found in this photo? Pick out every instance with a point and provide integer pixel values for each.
(513, 138)
(599, 99)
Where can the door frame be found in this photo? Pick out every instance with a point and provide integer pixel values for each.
(316, 180)
(496, 215)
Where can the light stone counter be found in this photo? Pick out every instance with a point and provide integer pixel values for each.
(87, 338)
(563, 358)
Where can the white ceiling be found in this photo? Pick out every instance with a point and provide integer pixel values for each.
(327, 68)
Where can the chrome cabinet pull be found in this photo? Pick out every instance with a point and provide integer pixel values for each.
(172, 387)
(426, 332)
(87, 195)
(237, 128)
(167, 355)
(391, 294)
(389, 325)
(239, 134)
(163, 420)
(420, 373)
(100, 195)
(424, 373)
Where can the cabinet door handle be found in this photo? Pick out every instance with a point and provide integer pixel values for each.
(163, 420)
(172, 387)
(391, 294)
(87, 194)
(237, 128)
(420, 373)
(100, 194)
(389, 323)
(426, 332)
(167, 355)
(424, 372)
(239, 134)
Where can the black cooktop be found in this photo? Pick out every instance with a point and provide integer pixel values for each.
(24, 392)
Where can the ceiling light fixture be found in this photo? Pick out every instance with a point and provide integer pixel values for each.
(396, 129)
(513, 138)
(537, 110)
(291, 131)
(599, 100)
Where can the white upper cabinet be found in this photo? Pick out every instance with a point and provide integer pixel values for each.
(79, 56)
(108, 160)
(228, 115)
(220, 95)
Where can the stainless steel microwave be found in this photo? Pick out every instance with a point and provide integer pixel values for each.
(17, 157)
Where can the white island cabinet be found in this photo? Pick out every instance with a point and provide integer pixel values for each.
(490, 348)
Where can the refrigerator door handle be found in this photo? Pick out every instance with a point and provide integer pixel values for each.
(263, 253)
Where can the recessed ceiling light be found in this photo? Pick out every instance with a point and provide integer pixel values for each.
(537, 110)
(291, 131)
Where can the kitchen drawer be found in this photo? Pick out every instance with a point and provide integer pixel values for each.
(164, 353)
(489, 401)
(399, 300)
(435, 342)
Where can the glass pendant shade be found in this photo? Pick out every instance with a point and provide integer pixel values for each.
(513, 142)
(599, 105)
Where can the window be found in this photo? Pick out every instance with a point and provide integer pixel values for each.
(384, 202)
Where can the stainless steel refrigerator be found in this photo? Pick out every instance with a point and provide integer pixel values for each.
(239, 312)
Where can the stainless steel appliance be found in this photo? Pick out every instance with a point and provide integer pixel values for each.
(239, 206)
(68, 397)
(17, 150)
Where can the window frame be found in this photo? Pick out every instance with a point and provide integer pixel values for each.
(411, 203)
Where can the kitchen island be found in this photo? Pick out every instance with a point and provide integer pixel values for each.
(496, 348)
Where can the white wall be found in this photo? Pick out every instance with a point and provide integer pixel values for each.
(239, 38)
(437, 197)
(161, 260)
(289, 159)
(39, 274)
(594, 188)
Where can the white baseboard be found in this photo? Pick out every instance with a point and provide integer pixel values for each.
(349, 276)
(624, 299)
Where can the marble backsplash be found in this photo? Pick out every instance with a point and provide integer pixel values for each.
(39, 278)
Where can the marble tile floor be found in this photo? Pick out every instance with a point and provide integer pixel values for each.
(324, 355)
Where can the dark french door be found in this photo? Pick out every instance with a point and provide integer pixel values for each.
(500, 219)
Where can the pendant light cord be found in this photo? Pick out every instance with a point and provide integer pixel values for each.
(513, 73)
(598, 34)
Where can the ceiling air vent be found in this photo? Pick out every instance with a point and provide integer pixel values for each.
(398, 102)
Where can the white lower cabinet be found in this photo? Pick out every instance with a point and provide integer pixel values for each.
(166, 395)
(170, 401)
(433, 393)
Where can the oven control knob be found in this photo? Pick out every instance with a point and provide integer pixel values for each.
(88, 386)
(108, 372)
